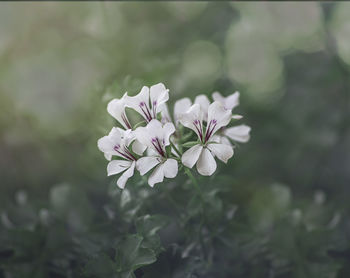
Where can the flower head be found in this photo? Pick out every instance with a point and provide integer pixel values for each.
(240, 133)
(184, 104)
(164, 140)
(202, 154)
(116, 143)
(156, 137)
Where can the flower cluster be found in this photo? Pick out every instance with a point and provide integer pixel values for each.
(162, 142)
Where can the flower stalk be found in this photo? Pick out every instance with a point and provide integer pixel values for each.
(194, 181)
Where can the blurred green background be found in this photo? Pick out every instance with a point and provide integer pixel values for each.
(60, 64)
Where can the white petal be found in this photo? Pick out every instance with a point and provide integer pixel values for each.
(116, 108)
(138, 148)
(168, 130)
(164, 111)
(144, 164)
(127, 136)
(204, 103)
(126, 175)
(221, 140)
(221, 151)
(155, 129)
(237, 117)
(239, 133)
(143, 136)
(188, 119)
(216, 138)
(218, 97)
(229, 102)
(135, 101)
(108, 156)
(232, 101)
(217, 112)
(181, 106)
(226, 141)
(106, 143)
(156, 176)
(116, 166)
(116, 134)
(206, 164)
(152, 152)
(159, 94)
(190, 157)
(170, 168)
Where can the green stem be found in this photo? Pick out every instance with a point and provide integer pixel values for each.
(202, 221)
(176, 149)
(193, 180)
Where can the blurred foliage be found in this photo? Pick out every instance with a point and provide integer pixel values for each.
(279, 208)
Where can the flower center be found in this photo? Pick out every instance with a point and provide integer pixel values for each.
(210, 129)
(124, 152)
(198, 125)
(154, 109)
(126, 121)
(158, 145)
(145, 111)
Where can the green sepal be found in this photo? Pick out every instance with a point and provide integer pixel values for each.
(159, 116)
(190, 144)
(139, 124)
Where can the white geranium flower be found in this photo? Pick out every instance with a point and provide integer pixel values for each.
(240, 133)
(183, 105)
(116, 107)
(203, 153)
(149, 101)
(116, 143)
(156, 137)
(229, 102)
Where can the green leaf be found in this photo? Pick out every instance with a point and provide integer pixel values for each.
(128, 249)
(131, 255)
(101, 266)
(144, 257)
(148, 225)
